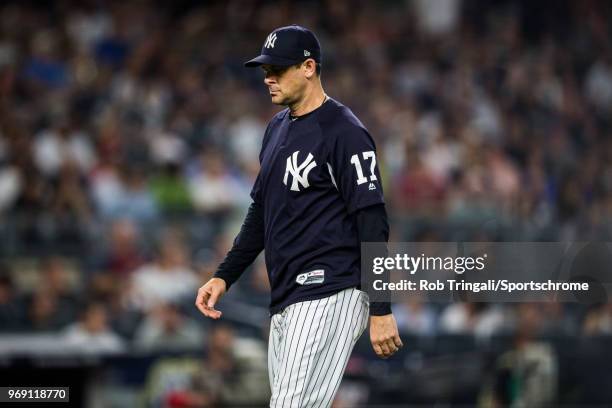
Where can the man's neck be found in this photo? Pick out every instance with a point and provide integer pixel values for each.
(311, 101)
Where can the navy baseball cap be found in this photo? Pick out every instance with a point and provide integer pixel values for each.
(288, 46)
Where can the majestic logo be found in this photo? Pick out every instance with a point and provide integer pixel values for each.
(270, 41)
(299, 173)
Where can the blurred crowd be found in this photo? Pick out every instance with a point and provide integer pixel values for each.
(130, 134)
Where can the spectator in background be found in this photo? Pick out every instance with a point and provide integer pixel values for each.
(11, 304)
(61, 280)
(168, 279)
(526, 375)
(70, 208)
(123, 253)
(106, 187)
(92, 334)
(213, 189)
(245, 137)
(561, 319)
(233, 373)
(11, 183)
(170, 190)
(61, 144)
(167, 328)
(136, 200)
(45, 68)
(114, 294)
(471, 198)
(415, 316)
(502, 176)
(418, 191)
(474, 318)
(31, 210)
(53, 304)
(598, 320)
(167, 148)
(45, 312)
(598, 84)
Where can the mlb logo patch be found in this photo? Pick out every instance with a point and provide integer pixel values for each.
(312, 277)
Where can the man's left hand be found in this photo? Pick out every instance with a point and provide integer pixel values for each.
(384, 335)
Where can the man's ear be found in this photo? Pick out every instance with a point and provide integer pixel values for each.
(310, 68)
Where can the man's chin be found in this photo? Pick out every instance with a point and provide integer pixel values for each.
(276, 100)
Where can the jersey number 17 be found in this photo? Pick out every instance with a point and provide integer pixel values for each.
(369, 155)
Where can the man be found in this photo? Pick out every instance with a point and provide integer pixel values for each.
(317, 196)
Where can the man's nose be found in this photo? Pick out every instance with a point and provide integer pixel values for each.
(269, 79)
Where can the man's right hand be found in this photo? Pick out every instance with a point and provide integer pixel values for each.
(208, 295)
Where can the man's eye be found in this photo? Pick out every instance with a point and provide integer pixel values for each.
(274, 71)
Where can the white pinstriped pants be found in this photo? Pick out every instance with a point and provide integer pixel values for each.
(310, 344)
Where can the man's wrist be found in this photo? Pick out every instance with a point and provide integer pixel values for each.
(380, 308)
(222, 278)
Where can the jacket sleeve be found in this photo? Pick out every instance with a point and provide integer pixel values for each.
(372, 226)
(247, 245)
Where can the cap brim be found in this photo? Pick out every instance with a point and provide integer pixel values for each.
(270, 60)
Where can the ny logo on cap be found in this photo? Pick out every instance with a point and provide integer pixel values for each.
(270, 41)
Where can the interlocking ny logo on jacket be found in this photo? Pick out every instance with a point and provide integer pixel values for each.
(299, 173)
